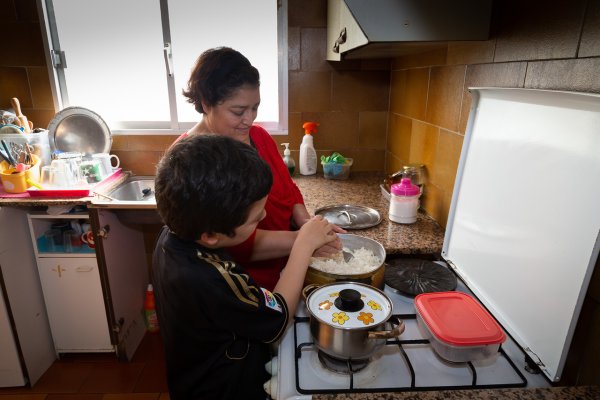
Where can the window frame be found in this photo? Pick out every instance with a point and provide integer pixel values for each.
(174, 126)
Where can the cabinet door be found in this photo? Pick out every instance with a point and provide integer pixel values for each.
(75, 304)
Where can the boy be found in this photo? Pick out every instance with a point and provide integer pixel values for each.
(216, 324)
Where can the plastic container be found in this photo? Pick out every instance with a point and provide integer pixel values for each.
(150, 310)
(19, 182)
(308, 155)
(458, 328)
(404, 202)
(333, 170)
(288, 160)
(39, 141)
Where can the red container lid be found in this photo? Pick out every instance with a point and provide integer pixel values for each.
(457, 319)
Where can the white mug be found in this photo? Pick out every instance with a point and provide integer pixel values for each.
(106, 162)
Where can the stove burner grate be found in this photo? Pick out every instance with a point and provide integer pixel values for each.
(341, 366)
(411, 276)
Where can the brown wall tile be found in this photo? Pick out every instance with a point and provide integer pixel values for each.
(434, 54)
(293, 49)
(399, 137)
(423, 144)
(590, 37)
(313, 50)
(309, 91)
(446, 160)
(445, 96)
(580, 75)
(366, 159)
(307, 13)
(295, 131)
(360, 90)
(471, 52)
(408, 92)
(393, 163)
(14, 83)
(432, 201)
(539, 30)
(26, 48)
(489, 75)
(41, 91)
(337, 131)
(139, 162)
(372, 130)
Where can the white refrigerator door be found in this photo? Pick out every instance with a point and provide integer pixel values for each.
(524, 223)
(11, 373)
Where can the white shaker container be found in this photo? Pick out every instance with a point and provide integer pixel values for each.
(404, 202)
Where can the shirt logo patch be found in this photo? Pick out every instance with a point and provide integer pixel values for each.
(271, 301)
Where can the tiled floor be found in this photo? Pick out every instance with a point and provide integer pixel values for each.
(101, 377)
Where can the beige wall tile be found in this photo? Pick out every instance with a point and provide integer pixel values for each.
(590, 36)
(538, 30)
(408, 92)
(309, 91)
(372, 129)
(445, 96)
(360, 90)
(489, 75)
(313, 50)
(399, 135)
(580, 75)
(477, 52)
(447, 156)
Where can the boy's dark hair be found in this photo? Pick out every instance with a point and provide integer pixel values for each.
(207, 183)
(217, 74)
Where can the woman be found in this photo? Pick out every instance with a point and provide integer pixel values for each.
(225, 88)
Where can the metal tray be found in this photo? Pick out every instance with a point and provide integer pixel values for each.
(80, 130)
(350, 217)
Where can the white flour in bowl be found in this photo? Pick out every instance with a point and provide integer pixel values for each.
(364, 261)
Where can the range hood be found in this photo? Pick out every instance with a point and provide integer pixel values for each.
(391, 28)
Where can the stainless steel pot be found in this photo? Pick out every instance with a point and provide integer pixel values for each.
(352, 242)
(350, 320)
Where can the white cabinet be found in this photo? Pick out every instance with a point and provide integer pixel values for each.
(72, 287)
(75, 304)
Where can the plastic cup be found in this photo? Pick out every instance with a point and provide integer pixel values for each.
(51, 236)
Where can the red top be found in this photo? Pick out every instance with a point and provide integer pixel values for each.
(457, 319)
(283, 196)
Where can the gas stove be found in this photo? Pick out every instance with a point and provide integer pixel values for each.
(407, 363)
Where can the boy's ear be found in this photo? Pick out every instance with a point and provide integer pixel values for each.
(209, 239)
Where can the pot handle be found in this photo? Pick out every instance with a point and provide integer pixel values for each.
(308, 289)
(395, 332)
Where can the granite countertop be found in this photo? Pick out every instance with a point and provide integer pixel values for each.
(557, 393)
(423, 237)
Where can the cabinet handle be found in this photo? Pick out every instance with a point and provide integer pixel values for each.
(340, 40)
(84, 269)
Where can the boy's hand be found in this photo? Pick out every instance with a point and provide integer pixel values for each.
(316, 233)
(329, 249)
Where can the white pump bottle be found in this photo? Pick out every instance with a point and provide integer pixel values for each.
(308, 156)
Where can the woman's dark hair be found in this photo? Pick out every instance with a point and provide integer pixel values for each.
(217, 74)
(207, 183)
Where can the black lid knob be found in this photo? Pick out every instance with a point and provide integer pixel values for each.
(349, 300)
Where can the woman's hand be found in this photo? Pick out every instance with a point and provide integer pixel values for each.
(329, 249)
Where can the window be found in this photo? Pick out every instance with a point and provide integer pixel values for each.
(128, 60)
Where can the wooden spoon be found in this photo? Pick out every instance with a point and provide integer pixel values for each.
(17, 106)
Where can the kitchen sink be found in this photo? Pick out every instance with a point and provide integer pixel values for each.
(134, 189)
(132, 201)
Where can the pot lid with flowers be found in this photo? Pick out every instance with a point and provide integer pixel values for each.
(349, 305)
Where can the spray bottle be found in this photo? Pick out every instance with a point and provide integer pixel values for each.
(288, 160)
(150, 310)
(308, 155)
